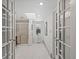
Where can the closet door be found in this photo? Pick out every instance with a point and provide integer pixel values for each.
(63, 19)
(67, 19)
(7, 29)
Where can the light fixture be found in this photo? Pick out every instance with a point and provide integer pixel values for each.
(41, 3)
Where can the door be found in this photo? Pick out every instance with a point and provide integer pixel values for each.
(8, 23)
(62, 32)
(22, 33)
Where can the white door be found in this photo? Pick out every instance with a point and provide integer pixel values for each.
(8, 27)
(62, 32)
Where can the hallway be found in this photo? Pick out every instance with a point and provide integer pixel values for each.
(32, 51)
(38, 29)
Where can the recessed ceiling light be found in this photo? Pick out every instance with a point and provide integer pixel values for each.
(41, 3)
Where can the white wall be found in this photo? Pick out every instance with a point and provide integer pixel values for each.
(49, 38)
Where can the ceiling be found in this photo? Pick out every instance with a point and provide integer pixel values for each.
(33, 6)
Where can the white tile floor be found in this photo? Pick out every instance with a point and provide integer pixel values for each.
(34, 51)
